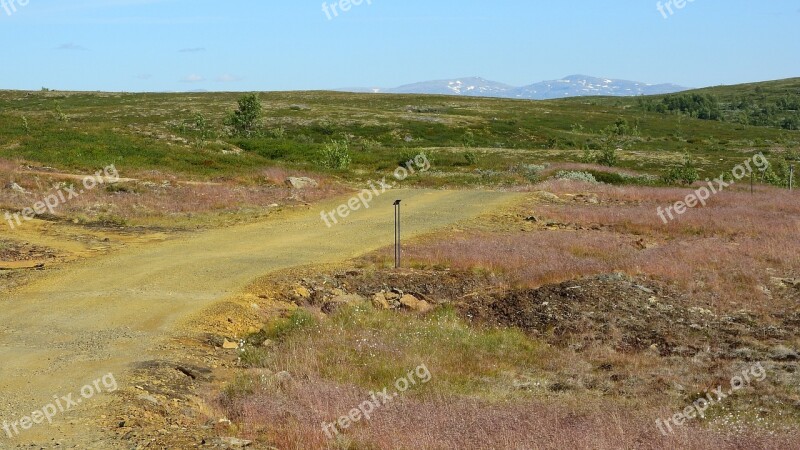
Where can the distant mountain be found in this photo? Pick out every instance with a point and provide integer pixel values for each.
(472, 86)
(571, 86)
(582, 86)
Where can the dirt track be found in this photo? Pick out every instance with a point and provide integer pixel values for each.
(71, 326)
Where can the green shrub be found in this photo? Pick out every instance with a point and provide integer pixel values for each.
(686, 173)
(471, 158)
(608, 157)
(585, 177)
(531, 171)
(246, 118)
(624, 179)
(469, 139)
(279, 328)
(412, 156)
(336, 155)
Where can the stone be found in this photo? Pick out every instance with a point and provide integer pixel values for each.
(302, 292)
(341, 300)
(379, 301)
(228, 345)
(283, 378)
(148, 398)
(301, 182)
(17, 188)
(549, 196)
(235, 442)
(414, 304)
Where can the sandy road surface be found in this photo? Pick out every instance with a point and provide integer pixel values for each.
(71, 326)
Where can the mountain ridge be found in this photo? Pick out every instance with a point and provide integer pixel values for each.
(570, 86)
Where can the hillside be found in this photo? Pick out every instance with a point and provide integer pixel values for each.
(184, 133)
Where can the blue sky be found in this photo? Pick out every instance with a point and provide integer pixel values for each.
(241, 45)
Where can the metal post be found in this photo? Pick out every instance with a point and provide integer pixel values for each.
(791, 177)
(397, 234)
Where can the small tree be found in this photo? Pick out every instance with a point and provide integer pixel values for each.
(245, 119)
(336, 155)
(608, 156)
(686, 173)
(471, 158)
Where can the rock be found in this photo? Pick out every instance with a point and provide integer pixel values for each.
(587, 198)
(549, 196)
(379, 301)
(533, 219)
(301, 292)
(17, 188)
(392, 296)
(148, 398)
(644, 289)
(228, 345)
(341, 300)
(414, 304)
(235, 442)
(785, 282)
(283, 378)
(301, 182)
(783, 353)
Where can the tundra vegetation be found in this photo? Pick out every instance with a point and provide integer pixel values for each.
(572, 319)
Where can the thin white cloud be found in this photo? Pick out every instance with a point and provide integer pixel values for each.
(193, 78)
(71, 47)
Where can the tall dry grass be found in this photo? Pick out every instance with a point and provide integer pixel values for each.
(723, 256)
(156, 195)
(292, 418)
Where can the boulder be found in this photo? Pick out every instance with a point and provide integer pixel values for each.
(414, 304)
(379, 301)
(301, 292)
(233, 442)
(548, 196)
(301, 182)
(17, 188)
(341, 300)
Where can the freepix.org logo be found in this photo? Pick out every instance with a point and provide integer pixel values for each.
(666, 7)
(332, 10)
(10, 6)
